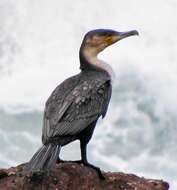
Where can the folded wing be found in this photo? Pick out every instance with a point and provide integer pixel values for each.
(74, 105)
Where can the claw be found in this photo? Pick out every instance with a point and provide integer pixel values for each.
(97, 169)
(101, 176)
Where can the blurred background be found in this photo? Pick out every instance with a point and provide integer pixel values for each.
(39, 44)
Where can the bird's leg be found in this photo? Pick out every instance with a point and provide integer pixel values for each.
(85, 162)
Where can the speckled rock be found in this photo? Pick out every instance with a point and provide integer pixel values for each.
(72, 176)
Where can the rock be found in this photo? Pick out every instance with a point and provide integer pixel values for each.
(72, 176)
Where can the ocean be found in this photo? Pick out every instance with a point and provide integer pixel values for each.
(39, 44)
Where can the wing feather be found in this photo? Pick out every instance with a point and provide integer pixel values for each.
(84, 102)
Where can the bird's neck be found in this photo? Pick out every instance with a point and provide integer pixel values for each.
(88, 58)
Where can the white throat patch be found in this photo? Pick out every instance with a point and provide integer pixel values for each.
(91, 57)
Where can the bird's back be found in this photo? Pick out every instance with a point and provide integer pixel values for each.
(75, 103)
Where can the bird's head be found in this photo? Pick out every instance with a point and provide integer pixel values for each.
(96, 41)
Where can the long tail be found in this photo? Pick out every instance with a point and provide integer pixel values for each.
(44, 158)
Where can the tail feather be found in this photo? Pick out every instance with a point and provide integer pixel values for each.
(44, 158)
(53, 158)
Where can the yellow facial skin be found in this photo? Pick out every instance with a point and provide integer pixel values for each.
(96, 41)
(111, 39)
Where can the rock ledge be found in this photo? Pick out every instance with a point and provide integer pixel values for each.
(72, 176)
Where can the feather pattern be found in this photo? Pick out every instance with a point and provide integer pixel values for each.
(76, 103)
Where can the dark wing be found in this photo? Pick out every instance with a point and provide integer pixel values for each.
(57, 104)
(87, 101)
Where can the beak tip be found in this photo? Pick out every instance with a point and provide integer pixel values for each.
(129, 33)
(136, 32)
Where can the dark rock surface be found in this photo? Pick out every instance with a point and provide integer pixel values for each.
(72, 176)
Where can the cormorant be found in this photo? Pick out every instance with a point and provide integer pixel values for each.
(72, 110)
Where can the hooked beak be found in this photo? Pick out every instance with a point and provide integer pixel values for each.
(119, 36)
(122, 35)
